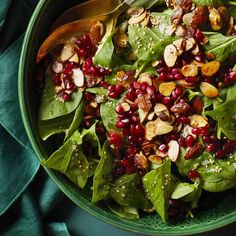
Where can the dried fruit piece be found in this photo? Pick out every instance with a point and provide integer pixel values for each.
(197, 121)
(157, 127)
(209, 90)
(138, 18)
(78, 77)
(161, 110)
(180, 107)
(193, 151)
(184, 84)
(189, 70)
(96, 32)
(173, 151)
(211, 68)
(190, 43)
(188, 19)
(67, 52)
(215, 19)
(198, 104)
(167, 88)
(200, 15)
(57, 67)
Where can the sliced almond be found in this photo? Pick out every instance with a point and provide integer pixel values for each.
(67, 52)
(188, 19)
(211, 68)
(196, 50)
(161, 108)
(170, 55)
(189, 70)
(57, 67)
(180, 31)
(169, 30)
(145, 77)
(190, 43)
(157, 127)
(209, 90)
(155, 159)
(180, 45)
(78, 77)
(142, 115)
(135, 11)
(151, 115)
(75, 58)
(135, 20)
(173, 151)
(146, 21)
(167, 88)
(197, 121)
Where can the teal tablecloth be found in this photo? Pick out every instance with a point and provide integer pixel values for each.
(30, 203)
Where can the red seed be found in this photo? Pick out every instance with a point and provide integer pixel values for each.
(167, 101)
(120, 124)
(181, 142)
(163, 147)
(139, 130)
(157, 97)
(190, 140)
(195, 131)
(66, 96)
(193, 174)
(211, 147)
(113, 95)
(228, 148)
(219, 153)
(124, 162)
(119, 88)
(56, 79)
(119, 109)
(143, 86)
(150, 90)
(131, 96)
(183, 119)
(162, 76)
(135, 118)
(116, 138)
(112, 88)
(104, 84)
(136, 85)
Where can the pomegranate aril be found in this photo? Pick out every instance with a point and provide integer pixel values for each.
(120, 124)
(88, 96)
(139, 130)
(70, 85)
(129, 169)
(133, 139)
(181, 142)
(157, 97)
(131, 96)
(220, 153)
(56, 79)
(119, 109)
(113, 95)
(178, 76)
(167, 101)
(124, 163)
(136, 85)
(150, 90)
(112, 88)
(116, 139)
(163, 148)
(135, 118)
(104, 84)
(82, 52)
(183, 119)
(119, 88)
(66, 96)
(190, 140)
(195, 131)
(162, 76)
(211, 147)
(228, 148)
(191, 80)
(140, 140)
(193, 174)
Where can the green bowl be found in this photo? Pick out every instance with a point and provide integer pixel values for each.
(218, 212)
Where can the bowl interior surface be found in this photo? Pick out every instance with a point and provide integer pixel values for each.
(218, 209)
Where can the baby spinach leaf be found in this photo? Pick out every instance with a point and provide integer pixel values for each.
(123, 211)
(221, 46)
(216, 175)
(225, 116)
(97, 90)
(70, 160)
(147, 3)
(51, 107)
(102, 175)
(231, 92)
(125, 192)
(75, 123)
(158, 185)
(104, 54)
(215, 3)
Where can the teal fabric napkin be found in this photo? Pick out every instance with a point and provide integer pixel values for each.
(25, 202)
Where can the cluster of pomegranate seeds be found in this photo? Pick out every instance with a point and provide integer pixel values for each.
(114, 91)
(85, 46)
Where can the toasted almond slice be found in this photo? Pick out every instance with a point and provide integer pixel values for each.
(173, 151)
(190, 43)
(157, 127)
(78, 77)
(145, 77)
(197, 121)
(75, 58)
(170, 55)
(67, 52)
(180, 45)
(146, 21)
(188, 18)
(210, 68)
(135, 11)
(169, 30)
(155, 159)
(196, 50)
(142, 115)
(180, 31)
(189, 70)
(209, 90)
(57, 67)
(184, 84)
(167, 88)
(151, 115)
(140, 161)
(135, 20)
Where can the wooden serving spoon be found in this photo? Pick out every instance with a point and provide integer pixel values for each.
(74, 29)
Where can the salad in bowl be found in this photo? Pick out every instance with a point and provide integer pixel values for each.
(146, 115)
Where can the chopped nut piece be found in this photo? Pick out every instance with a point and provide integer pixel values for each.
(180, 45)
(146, 21)
(75, 58)
(169, 30)
(78, 77)
(67, 52)
(173, 151)
(170, 55)
(151, 115)
(94, 104)
(180, 31)
(157, 127)
(192, 152)
(190, 43)
(96, 32)
(189, 70)
(177, 16)
(200, 15)
(125, 106)
(167, 88)
(137, 19)
(180, 107)
(215, 19)
(155, 159)
(198, 104)
(210, 68)
(188, 19)
(209, 90)
(57, 67)
(140, 161)
(161, 109)
(197, 121)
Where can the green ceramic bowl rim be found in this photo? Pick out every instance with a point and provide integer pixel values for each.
(230, 218)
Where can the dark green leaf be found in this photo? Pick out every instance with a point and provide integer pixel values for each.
(225, 116)
(126, 192)
(123, 211)
(104, 54)
(102, 175)
(216, 175)
(97, 90)
(158, 185)
(221, 46)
